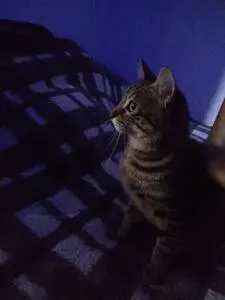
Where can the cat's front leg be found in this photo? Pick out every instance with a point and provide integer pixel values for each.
(131, 216)
(156, 269)
(166, 254)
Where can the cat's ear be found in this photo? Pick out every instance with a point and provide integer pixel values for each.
(165, 85)
(142, 70)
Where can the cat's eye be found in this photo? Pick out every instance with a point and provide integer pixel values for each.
(131, 106)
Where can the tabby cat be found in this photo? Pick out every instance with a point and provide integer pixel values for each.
(164, 172)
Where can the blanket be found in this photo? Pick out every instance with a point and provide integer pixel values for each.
(60, 189)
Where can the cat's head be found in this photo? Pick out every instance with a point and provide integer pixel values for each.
(149, 109)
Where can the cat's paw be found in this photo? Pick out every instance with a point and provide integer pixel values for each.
(111, 234)
(120, 230)
(122, 233)
(116, 234)
(154, 275)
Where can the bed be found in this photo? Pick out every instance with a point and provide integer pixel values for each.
(59, 185)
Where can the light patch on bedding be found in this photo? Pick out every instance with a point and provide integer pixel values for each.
(3, 257)
(21, 59)
(94, 183)
(78, 253)
(107, 104)
(61, 82)
(13, 98)
(96, 131)
(140, 295)
(85, 54)
(221, 268)
(41, 87)
(35, 116)
(202, 135)
(67, 203)
(67, 53)
(92, 133)
(81, 80)
(33, 170)
(108, 87)
(97, 230)
(212, 295)
(99, 82)
(120, 203)
(66, 148)
(45, 56)
(36, 218)
(5, 181)
(111, 168)
(82, 99)
(118, 156)
(107, 127)
(124, 88)
(203, 128)
(64, 102)
(7, 138)
(29, 289)
(115, 93)
(197, 138)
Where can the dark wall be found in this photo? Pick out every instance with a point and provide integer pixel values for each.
(188, 36)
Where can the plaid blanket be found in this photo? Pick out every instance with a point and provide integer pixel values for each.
(59, 186)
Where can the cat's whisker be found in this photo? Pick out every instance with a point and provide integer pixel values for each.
(106, 122)
(123, 132)
(111, 140)
(113, 150)
(115, 145)
(124, 142)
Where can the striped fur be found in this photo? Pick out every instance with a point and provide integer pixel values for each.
(155, 165)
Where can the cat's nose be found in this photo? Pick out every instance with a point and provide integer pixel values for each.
(115, 112)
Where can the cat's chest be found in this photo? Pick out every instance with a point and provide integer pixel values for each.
(130, 175)
(135, 183)
(139, 179)
(140, 191)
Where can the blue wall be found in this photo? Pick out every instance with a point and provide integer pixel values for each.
(189, 36)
